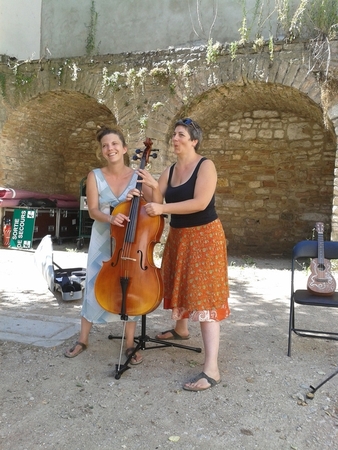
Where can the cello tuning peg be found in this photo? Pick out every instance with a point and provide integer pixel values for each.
(135, 158)
(154, 155)
(138, 151)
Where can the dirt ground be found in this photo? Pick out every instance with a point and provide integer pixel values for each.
(51, 402)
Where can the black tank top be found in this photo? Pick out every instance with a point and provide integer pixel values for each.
(186, 192)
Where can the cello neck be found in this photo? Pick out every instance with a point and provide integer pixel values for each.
(135, 202)
(132, 224)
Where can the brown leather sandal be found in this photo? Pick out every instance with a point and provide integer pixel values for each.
(68, 353)
(136, 359)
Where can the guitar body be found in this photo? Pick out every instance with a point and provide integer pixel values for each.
(321, 282)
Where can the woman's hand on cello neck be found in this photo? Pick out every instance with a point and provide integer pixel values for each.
(150, 186)
(147, 179)
(134, 193)
(152, 208)
(146, 193)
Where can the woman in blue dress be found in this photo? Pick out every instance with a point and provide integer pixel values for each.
(105, 188)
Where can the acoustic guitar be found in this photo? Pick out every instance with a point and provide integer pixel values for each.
(321, 282)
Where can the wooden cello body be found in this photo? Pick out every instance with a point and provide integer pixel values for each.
(130, 283)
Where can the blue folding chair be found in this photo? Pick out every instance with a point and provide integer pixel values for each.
(302, 251)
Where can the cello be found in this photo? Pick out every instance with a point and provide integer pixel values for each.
(130, 283)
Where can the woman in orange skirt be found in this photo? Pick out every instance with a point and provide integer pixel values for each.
(194, 262)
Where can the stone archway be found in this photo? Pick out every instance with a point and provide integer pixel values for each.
(333, 116)
(48, 144)
(275, 161)
(262, 119)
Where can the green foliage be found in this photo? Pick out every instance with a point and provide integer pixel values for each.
(3, 84)
(91, 38)
(160, 73)
(213, 51)
(59, 72)
(112, 80)
(249, 261)
(258, 43)
(243, 32)
(233, 50)
(22, 80)
(315, 20)
(271, 47)
(172, 88)
(143, 121)
(322, 16)
(156, 106)
(302, 18)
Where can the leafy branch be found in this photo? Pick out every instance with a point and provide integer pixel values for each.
(91, 38)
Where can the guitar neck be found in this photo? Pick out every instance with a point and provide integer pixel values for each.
(321, 248)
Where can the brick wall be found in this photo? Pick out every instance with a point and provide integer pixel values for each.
(263, 126)
(275, 179)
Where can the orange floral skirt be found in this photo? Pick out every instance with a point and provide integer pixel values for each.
(195, 273)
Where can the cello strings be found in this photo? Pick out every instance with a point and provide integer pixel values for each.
(127, 259)
(130, 233)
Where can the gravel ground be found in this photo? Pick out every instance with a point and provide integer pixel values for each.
(51, 402)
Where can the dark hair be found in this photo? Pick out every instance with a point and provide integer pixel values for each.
(103, 131)
(194, 130)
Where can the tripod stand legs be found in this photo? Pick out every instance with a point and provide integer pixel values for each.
(120, 369)
(314, 389)
(141, 342)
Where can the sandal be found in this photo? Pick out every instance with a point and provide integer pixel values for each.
(210, 380)
(68, 353)
(174, 336)
(135, 359)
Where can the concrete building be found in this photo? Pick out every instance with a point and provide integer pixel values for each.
(69, 28)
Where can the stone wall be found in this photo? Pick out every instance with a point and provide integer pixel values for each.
(278, 186)
(263, 121)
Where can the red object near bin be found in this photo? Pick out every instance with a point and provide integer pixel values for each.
(6, 230)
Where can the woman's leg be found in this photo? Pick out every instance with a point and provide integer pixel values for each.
(83, 339)
(210, 335)
(130, 335)
(181, 328)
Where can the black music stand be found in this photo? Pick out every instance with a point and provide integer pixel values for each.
(141, 345)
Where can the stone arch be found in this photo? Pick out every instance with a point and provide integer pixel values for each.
(275, 160)
(262, 119)
(48, 143)
(333, 117)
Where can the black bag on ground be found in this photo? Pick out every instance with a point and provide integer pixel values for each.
(70, 288)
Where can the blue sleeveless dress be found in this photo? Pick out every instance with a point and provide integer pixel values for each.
(100, 250)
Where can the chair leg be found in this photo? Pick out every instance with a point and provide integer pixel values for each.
(291, 325)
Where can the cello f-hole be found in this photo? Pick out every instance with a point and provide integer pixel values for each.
(114, 264)
(141, 260)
